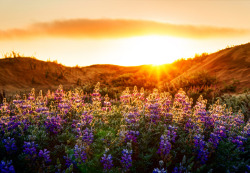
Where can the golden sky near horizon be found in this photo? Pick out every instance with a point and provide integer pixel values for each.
(122, 32)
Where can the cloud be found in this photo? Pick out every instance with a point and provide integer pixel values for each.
(109, 28)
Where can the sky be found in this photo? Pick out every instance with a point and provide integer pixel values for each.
(121, 32)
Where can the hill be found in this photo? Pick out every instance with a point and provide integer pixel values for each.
(20, 74)
(24, 73)
(227, 65)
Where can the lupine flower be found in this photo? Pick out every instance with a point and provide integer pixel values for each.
(68, 160)
(44, 154)
(165, 143)
(165, 146)
(126, 159)
(86, 135)
(172, 133)
(86, 119)
(131, 136)
(160, 170)
(6, 167)
(132, 118)
(201, 148)
(107, 161)
(30, 150)
(246, 130)
(10, 144)
(157, 170)
(214, 139)
(80, 153)
(106, 104)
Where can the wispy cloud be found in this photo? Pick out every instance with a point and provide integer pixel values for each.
(108, 28)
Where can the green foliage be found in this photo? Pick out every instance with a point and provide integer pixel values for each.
(229, 158)
(237, 103)
(201, 78)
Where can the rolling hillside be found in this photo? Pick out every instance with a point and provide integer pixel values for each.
(24, 73)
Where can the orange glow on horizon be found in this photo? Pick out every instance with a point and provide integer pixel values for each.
(125, 51)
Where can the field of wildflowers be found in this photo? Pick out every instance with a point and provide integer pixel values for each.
(74, 132)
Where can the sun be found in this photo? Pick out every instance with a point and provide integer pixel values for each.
(153, 50)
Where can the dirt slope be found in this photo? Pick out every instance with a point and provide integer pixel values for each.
(228, 64)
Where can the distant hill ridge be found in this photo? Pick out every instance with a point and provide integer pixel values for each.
(19, 74)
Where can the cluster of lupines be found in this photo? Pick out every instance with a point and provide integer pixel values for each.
(218, 134)
(54, 124)
(153, 106)
(239, 141)
(8, 124)
(182, 102)
(68, 160)
(204, 129)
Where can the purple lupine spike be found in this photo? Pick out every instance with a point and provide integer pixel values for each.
(6, 167)
(44, 154)
(10, 144)
(107, 162)
(80, 153)
(30, 150)
(126, 159)
(201, 148)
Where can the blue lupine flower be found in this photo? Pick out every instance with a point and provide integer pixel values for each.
(107, 161)
(126, 160)
(6, 167)
(201, 148)
(44, 154)
(80, 154)
(30, 150)
(157, 170)
(10, 144)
